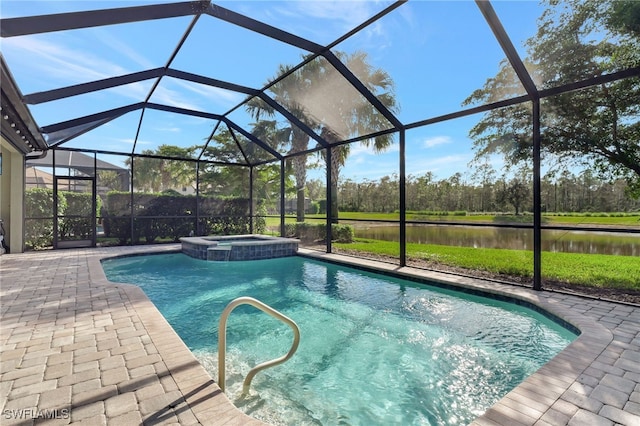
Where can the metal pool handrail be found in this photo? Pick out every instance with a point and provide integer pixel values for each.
(222, 340)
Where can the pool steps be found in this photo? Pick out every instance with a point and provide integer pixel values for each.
(222, 340)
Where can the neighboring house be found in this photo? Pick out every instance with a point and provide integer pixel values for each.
(76, 164)
(36, 178)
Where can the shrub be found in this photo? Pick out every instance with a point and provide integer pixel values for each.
(314, 208)
(77, 204)
(342, 233)
(39, 211)
(259, 221)
(322, 206)
(116, 216)
(310, 232)
(170, 215)
(434, 213)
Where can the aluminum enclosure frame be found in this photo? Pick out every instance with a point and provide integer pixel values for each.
(62, 132)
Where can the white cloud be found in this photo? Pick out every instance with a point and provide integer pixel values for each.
(436, 140)
(225, 97)
(172, 129)
(166, 96)
(359, 172)
(347, 13)
(320, 21)
(63, 66)
(60, 62)
(358, 149)
(442, 167)
(122, 48)
(461, 159)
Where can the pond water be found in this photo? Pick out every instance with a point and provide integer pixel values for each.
(516, 239)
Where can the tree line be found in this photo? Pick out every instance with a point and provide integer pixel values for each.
(573, 193)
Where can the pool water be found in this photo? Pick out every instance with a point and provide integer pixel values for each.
(374, 349)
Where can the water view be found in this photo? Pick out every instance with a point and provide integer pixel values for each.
(516, 239)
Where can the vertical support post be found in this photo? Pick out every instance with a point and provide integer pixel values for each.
(537, 199)
(94, 202)
(196, 228)
(55, 201)
(251, 213)
(329, 198)
(131, 221)
(282, 170)
(403, 201)
(525, 78)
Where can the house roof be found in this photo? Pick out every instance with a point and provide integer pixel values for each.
(18, 125)
(73, 159)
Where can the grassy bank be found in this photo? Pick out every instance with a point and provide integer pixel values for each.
(577, 219)
(604, 271)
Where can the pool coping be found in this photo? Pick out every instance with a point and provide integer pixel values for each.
(595, 380)
(202, 394)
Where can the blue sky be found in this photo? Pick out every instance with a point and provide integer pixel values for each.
(436, 52)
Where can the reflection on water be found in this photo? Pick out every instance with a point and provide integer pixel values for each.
(508, 238)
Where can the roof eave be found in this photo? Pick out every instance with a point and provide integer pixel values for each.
(18, 125)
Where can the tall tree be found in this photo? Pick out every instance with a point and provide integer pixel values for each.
(226, 180)
(516, 192)
(597, 126)
(353, 114)
(160, 174)
(233, 179)
(324, 100)
(287, 93)
(145, 175)
(176, 173)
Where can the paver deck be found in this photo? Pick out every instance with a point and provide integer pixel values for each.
(76, 349)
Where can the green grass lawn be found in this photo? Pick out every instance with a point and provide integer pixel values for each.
(605, 271)
(613, 219)
(627, 220)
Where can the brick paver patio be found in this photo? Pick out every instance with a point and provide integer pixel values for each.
(76, 349)
(85, 351)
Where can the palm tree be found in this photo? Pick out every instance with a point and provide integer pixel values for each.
(358, 117)
(287, 92)
(146, 176)
(176, 173)
(159, 174)
(321, 98)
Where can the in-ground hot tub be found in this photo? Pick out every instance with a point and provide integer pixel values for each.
(238, 247)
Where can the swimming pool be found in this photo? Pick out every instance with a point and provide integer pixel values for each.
(374, 349)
